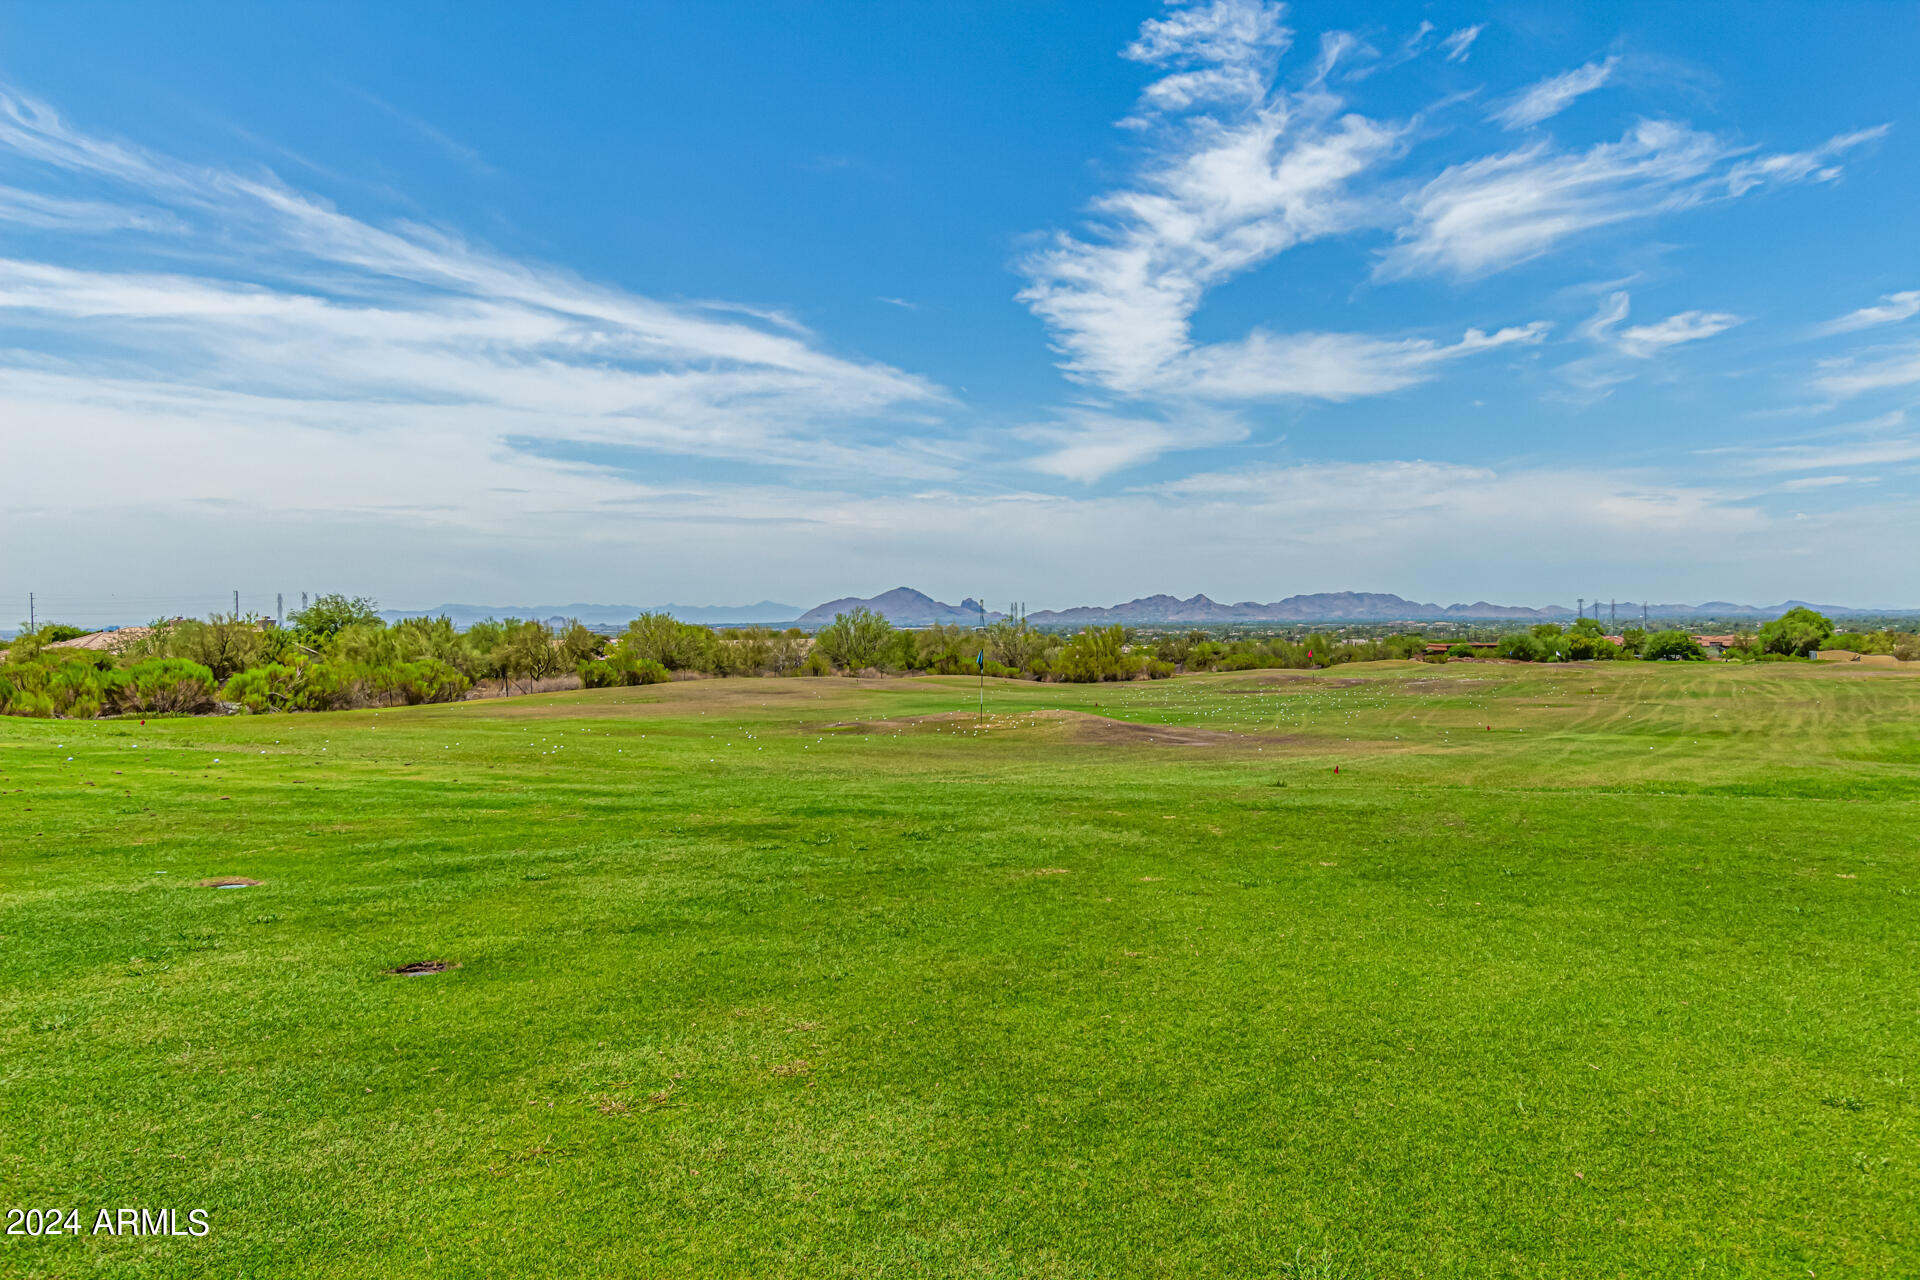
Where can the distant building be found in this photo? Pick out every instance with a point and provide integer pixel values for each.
(1716, 646)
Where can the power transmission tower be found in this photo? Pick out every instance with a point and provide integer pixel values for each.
(30, 622)
(1580, 607)
(1613, 615)
(279, 609)
(236, 603)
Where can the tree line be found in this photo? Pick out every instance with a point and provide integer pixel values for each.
(339, 654)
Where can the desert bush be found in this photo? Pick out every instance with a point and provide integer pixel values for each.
(743, 651)
(1097, 653)
(164, 686)
(272, 687)
(621, 669)
(24, 702)
(333, 685)
(675, 645)
(415, 683)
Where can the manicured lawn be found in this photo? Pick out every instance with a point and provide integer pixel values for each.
(780, 978)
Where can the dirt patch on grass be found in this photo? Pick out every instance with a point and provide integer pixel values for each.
(1105, 731)
(420, 968)
(1074, 726)
(228, 882)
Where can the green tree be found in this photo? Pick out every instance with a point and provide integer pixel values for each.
(1671, 646)
(329, 615)
(528, 653)
(675, 645)
(1098, 653)
(854, 641)
(1797, 632)
(577, 644)
(1522, 648)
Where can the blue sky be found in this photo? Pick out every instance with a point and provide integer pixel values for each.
(1062, 303)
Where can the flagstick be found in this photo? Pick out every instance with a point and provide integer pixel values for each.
(982, 662)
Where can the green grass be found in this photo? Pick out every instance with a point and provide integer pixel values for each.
(777, 978)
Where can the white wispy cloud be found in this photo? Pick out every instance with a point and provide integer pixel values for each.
(428, 132)
(1828, 456)
(1327, 366)
(1085, 445)
(321, 318)
(1244, 170)
(1893, 308)
(1620, 351)
(1645, 340)
(1551, 96)
(1459, 44)
(1492, 213)
(1878, 369)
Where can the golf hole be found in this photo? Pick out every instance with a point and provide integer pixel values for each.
(421, 967)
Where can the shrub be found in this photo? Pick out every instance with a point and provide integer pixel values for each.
(1098, 653)
(415, 683)
(1460, 651)
(273, 687)
(621, 669)
(17, 701)
(1159, 670)
(334, 686)
(164, 686)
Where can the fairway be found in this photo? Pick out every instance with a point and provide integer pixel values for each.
(1476, 969)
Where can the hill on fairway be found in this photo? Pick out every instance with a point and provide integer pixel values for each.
(1566, 972)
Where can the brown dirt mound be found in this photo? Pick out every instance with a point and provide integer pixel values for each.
(228, 882)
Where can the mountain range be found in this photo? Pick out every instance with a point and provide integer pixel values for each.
(767, 612)
(905, 607)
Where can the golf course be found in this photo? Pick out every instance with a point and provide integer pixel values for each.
(1474, 969)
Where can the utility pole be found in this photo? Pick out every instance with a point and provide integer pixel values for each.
(1613, 615)
(279, 610)
(30, 622)
(1580, 607)
(236, 603)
